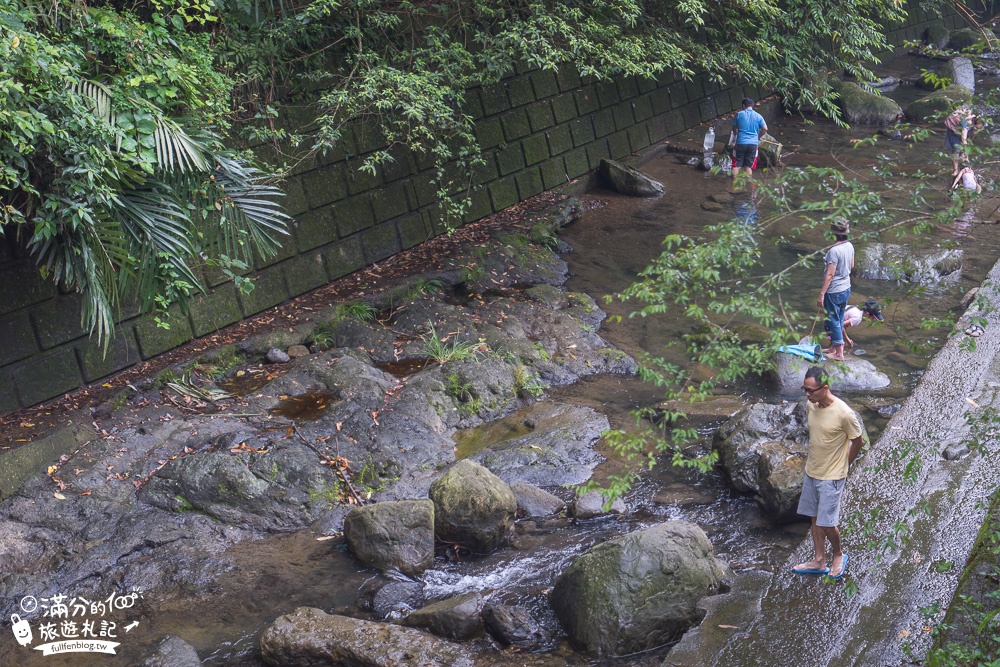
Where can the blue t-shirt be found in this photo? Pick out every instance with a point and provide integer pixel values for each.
(748, 122)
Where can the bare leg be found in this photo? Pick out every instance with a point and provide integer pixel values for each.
(837, 564)
(837, 352)
(819, 549)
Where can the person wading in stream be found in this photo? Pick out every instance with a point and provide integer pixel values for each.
(835, 439)
(749, 127)
(836, 289)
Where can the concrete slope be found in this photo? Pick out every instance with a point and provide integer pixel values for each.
(911, 513)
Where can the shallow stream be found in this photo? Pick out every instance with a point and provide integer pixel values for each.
(612, 243)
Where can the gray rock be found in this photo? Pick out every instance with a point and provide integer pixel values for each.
(297, 351)
(886, 84)
(393, 535)
(712, 206)
(536, 502)
(955, 450)
(260, 343)
(962, 73)
(515, 626)
(173, 652)
(629, 181)
(591, 504)
(940, 101)
(309, 636)
(558, 450)
(890, 261)
(780, 469)
(851, 374)
(276, 356)
(769, 151)
(390, 598)
(712, 409)
(638, 591)
(682, 495)
(456, 618)
(472, 507)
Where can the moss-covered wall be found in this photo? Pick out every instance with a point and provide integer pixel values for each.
(538, 130)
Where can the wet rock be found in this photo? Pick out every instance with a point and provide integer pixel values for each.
(332, 522)
(629, 181)
(472, 507)
(940, 101)
(276, 356)
(682, 495)
(854, 373)
(638, 591)
(780, 467)
(962, 73)
(963, 38)
(886, 84)
(286, 490)
(533, 501)
(889, 410)
(969, 297)
(558, 450)
(393, 535)
(722, 197)
(936, 35)
(173, 652)
(955, 450)
(712, 206)
(860, 106)
(297, 351)
(702, 412)
(260, 343)
(456, 618)
(890, 261)
(739, 440)
(309, 636)
(591, 504)
(390, 598)
(515, 626)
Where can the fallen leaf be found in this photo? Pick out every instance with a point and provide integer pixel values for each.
(58, 495)
(903, 633)
(971, 402)
(729, 627)
(50, 470)
(26, 425)
(340, 425)
(324, 538)
(86, 493)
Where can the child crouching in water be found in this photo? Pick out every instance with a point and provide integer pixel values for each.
(967, 177)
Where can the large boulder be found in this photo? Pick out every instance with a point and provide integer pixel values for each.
(769, 151)
(629, 181)
(393, 535)
(395, 598)
(639, 590)
(472, 507)
(535, 502)
(456, 618)
(890, 261)
(938, 102)
(852, 374)
(936, 35)
(962, 73)
(559, 449)
(963, 38)
(310, 636)
(860, 106)
(739, 440)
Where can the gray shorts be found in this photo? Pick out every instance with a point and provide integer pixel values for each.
(821, 499)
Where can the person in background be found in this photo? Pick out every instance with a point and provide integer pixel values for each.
(836, 289)
(967, 177)
(854, 315)
(835, 440)
(748, 126)
(959, 125)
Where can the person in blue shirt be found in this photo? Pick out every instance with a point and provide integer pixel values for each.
(749, 127)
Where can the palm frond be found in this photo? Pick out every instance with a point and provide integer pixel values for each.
(98, 97)
(176, 150)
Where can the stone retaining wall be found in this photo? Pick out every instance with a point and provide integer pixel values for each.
(538, 131)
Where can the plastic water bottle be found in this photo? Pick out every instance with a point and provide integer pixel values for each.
(709, 142)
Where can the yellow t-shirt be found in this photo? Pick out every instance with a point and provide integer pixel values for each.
(831, 430)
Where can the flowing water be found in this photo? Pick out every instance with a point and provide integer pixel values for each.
(612, 243)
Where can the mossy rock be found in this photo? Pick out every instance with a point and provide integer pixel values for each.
(862, 107)
(937, 35)
(963, 38)
(938, 102)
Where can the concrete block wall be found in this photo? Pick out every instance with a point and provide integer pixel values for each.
(537, 130)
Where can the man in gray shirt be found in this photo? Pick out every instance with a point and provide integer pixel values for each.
(836, 289)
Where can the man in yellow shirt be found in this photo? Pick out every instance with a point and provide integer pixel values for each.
(835, 438)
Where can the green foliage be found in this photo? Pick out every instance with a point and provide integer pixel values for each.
(358, 310)
(528, 383)
(111, 173)
(935, 79)
(450, 347)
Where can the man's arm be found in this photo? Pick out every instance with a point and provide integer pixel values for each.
(827, 279)
(761, 132)
(855, 449)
